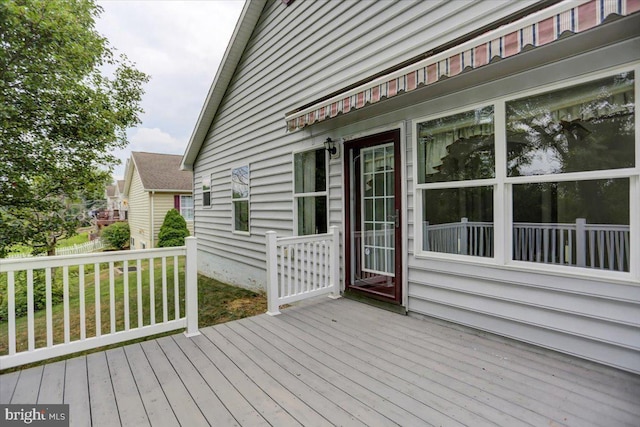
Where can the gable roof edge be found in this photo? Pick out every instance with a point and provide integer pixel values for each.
(241, 34)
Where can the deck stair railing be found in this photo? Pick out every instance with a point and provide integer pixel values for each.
(301, 267)
(146, 296)
(602, 246)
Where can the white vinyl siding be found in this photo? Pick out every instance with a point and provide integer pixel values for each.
(329, 45)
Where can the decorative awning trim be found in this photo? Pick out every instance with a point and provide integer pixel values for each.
(535, 30)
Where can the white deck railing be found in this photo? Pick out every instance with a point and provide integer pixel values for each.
(84, 276)
(301, 267)
(601, 246)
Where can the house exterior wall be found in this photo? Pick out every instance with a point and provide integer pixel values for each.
(279, 74)
(139, 213)
(162, 203)
(328, 46)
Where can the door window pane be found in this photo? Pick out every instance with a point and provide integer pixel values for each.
(457, 147)
(459, 221)
(577, 223)
(582, 128)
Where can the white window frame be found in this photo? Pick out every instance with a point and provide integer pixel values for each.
(209, 178)
(241, 199)
(503, 188)
(192, 207)
(297, 196)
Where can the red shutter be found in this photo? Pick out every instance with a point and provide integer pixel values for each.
(176, 202)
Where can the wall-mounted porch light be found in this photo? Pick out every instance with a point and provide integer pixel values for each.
(330, 146)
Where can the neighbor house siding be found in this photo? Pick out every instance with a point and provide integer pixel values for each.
(327, 45)
(139, 213)
(162, 203)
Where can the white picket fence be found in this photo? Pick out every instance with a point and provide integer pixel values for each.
(125, 323)
(80, 248)
(301, 267)
(602, 246)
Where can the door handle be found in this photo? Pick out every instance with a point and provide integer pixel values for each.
(395, 218)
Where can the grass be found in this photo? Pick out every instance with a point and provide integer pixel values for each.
(217, 303)
(79, 238)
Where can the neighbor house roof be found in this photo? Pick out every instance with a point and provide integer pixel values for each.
(239, 39)
(158, 172)
(111, 190)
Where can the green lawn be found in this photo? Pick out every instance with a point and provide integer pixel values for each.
(218, 302)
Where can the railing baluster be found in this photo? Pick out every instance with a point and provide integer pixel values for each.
(601, 248)
(49, 316)
(610, 249)
(30, 322)
(125, 285)
(11, 308)
(139, 293)
(152, 294)
(165, 308)
(81, 296)
(65, 304)
(289, 269)
(96, 278)
(176, 289)
(112, 297)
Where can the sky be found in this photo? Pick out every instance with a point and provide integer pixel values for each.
(180, 44)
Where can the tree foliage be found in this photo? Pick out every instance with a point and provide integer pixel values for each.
(173, 230)
(61, 116)
(117, 235)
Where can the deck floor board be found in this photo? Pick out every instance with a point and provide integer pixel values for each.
(331, 362)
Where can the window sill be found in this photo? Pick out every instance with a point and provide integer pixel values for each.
(570, 272)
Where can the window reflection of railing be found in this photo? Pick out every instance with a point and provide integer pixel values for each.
(601, 246)
(464, 238)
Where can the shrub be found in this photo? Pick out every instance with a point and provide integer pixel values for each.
(117, 235)
(173, 230)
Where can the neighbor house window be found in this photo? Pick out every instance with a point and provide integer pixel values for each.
(310, 191)
(240, 198)
(567, 170)
(456, 176)
(184, 205)
(206, 191)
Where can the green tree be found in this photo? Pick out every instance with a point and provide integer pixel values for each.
(173, 230)
(117, 235)
(61, 116)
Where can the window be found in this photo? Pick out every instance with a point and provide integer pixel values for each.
(457, 217)
(184, 205)
(206, 191)
(240, 198)
(310, 191)
(567, 170)
(587, 130)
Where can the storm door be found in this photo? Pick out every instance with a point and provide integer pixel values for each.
(373, 238)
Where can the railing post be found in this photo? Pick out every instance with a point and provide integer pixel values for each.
(273, 308)
(191, 286)
(334, 267)
(581, 246)
(464, 236)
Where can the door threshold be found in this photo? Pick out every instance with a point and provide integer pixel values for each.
(357, 296)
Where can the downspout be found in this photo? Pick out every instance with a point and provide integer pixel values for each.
(152, 225)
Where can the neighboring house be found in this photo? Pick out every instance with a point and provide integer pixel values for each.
(112, 197)
(122, 202)
(154, 184)
(486, 167)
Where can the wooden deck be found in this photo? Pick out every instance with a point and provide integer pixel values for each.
(329, 362)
